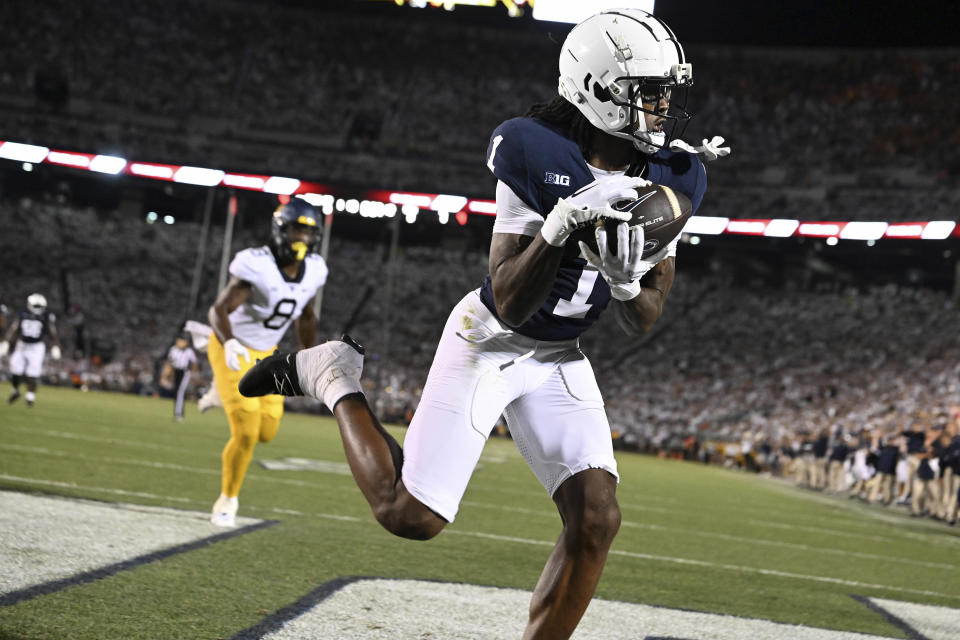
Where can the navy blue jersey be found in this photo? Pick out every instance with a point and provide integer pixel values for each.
(32, 326)
(542, 165)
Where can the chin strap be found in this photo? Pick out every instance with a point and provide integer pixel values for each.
(709, 151)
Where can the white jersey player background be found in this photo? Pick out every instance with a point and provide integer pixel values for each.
(270, 288)
(275, 298)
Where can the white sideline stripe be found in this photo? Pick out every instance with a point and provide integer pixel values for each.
(719, 565)
(77, 436)
(936, 540)
(724, 536)
(73, 485)
(172, 466)
(795, 545)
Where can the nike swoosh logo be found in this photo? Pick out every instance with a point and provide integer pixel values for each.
(639, 201)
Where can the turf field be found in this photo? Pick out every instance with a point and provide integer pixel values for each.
(695, 538)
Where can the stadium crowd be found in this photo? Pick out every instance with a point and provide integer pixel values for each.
(735, 373)
(819, 134)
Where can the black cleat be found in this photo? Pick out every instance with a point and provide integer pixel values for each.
(276, 374)
(13, 396)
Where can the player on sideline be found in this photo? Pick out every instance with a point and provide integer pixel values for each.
(511, 347)
(270, 287)
(31, 326)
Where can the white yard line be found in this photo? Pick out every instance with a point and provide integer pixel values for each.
(719, 565)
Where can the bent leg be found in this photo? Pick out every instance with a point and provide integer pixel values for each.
(416, 490)
(591, 517)
(376, 460)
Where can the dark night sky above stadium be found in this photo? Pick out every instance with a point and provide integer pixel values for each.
(834, 23)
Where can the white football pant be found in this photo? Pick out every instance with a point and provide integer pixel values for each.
(482, 370)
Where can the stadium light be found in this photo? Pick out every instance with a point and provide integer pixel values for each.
(938, 230)
(107, 164)
(23, 152)
(706, 225)
(863, 230)
(487, 207)
(448, 203)
(285, 186)
(198, 176)
(781, 228)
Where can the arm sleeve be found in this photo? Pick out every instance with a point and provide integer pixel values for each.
(513, 214)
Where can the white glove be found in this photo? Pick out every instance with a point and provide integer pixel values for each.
(55, 352)
(589, 204)
(4, 348)
(622, 271)
(709, 150)
(234, 351)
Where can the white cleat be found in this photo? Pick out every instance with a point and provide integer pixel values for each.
(209, 400)
(330, 371)
(224, 512)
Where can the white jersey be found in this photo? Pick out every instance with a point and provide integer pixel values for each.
(275, 299)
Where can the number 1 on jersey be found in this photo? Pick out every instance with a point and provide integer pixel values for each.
(577, 306)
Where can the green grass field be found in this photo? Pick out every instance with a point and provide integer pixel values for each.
(694, 537)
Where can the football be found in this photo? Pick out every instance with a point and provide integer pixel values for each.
(661, 211)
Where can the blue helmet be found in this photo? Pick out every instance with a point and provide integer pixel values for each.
(298, 214)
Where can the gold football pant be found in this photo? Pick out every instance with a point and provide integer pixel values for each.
(251, 420)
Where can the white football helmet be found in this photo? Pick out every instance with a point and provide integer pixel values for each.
(36, 303)
(614, 62)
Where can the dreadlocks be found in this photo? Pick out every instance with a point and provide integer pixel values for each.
(561, 113)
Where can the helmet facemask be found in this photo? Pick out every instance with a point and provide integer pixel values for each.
(619, 66)
(294, 232)
(660, 98)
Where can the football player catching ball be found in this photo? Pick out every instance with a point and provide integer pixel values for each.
(511, 347)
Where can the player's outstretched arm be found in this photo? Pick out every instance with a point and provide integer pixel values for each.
(638, 315)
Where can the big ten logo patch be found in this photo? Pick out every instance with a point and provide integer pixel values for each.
(557, 178)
